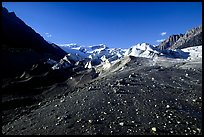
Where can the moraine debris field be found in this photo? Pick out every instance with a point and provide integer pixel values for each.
(141, 98)
(69, 89)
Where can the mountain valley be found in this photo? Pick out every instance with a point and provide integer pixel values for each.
(71, 89)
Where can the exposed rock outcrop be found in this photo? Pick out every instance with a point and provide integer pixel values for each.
(169, 41)
(192, 37)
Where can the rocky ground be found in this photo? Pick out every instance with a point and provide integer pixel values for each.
(141, 98)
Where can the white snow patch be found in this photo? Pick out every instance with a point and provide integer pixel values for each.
(195, 53)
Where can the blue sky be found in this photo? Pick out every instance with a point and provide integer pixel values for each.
(116, 24)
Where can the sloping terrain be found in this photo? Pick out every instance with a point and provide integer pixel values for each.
(142, 90)
(39, 83)
(22, 47)
(24, 73)
(137, 100)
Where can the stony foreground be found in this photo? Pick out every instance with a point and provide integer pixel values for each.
(139, 99)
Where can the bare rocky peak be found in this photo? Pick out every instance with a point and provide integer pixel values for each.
(192, 37)
(194, 31)
(169, 41)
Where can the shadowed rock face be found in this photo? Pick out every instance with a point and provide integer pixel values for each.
(22, 46)
(191, 38)
(26, 77)
(169, 42)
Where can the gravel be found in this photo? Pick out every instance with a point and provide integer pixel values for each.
(139, 100)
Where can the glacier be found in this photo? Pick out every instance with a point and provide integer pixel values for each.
(101, 54)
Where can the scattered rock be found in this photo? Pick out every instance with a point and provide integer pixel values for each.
(121, 123)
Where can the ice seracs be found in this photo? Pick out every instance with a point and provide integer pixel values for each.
(88, 65)
(91, 56)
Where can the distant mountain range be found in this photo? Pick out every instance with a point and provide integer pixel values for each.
(168, 48)
(192, 37)
(22, 47)
(62, 80)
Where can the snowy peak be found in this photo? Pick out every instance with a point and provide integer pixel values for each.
(88, 49)
(142, 46)
(141, 50)
(101, 54)
(100, 51)
(146, 50)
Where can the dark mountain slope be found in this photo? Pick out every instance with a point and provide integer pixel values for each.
(22, 47)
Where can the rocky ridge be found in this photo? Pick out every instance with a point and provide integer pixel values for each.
(192, 37)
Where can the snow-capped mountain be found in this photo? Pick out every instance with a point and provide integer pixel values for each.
(100, 51)
(148, 51)
(74, 49)
(86, 56)
(89, 56)
(142, 50)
